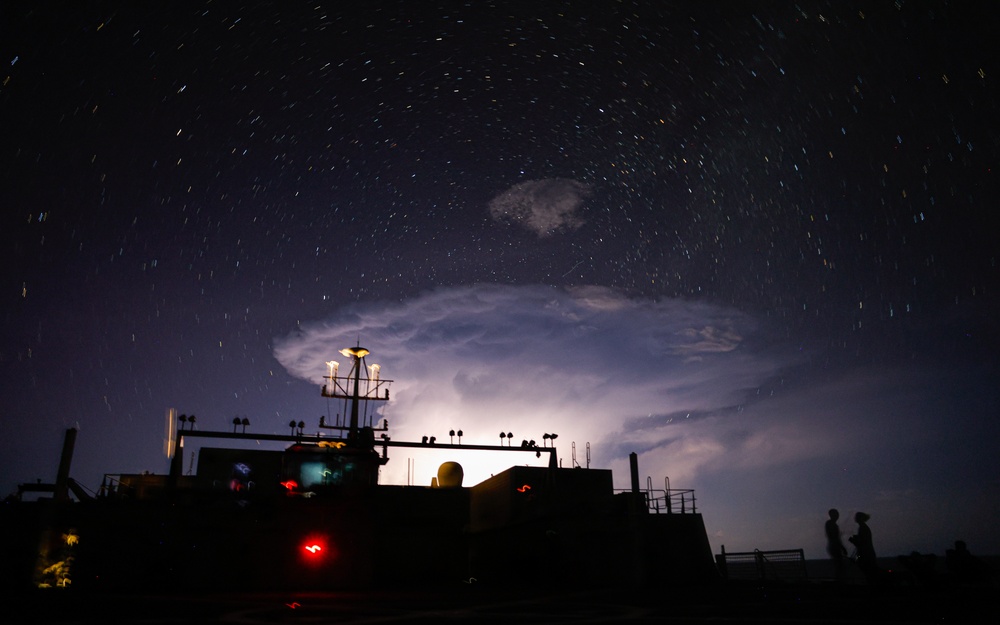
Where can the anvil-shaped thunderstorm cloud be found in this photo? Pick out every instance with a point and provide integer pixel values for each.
(711, 397)
(589, 364)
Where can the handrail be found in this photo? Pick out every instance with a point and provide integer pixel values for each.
(774, 564)
(668, 501)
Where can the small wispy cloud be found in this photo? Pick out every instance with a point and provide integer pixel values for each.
(542, 206)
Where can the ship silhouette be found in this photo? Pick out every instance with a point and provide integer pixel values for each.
(313, 516)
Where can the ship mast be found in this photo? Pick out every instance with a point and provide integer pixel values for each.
(350, 388)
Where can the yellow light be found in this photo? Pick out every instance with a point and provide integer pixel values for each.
(354, 352)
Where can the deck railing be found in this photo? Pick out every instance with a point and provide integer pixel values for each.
(780, 564)
(668, 501)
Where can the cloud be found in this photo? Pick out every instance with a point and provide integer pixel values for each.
(588, 363)
(542, 206)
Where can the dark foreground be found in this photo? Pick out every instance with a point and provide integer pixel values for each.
(470, 603)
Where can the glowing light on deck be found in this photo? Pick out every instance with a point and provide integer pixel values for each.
(333, 444)
(315, 551)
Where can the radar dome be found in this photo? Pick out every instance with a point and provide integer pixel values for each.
(450, 475)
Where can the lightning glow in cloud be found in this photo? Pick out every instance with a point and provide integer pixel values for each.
(589, 364)
(704, 394)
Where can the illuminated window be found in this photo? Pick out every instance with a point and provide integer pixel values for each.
(318, 474)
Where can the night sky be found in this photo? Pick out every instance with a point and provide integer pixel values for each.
(753, 242)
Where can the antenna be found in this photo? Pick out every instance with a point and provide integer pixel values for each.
(588, 454)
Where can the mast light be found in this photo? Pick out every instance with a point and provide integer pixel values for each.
(355, 352)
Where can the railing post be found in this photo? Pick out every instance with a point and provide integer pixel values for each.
(720, 562)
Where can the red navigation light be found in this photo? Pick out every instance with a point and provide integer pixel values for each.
(315, 550)
(524, 488)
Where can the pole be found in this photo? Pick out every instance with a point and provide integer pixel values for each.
(353, 432)
(62, 477)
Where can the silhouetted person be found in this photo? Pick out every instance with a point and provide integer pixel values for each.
(835, 546)
(866, 549)
(965, 566)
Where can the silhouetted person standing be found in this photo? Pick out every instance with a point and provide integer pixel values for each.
(835, 546)
(965, 566)
(866, 549)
